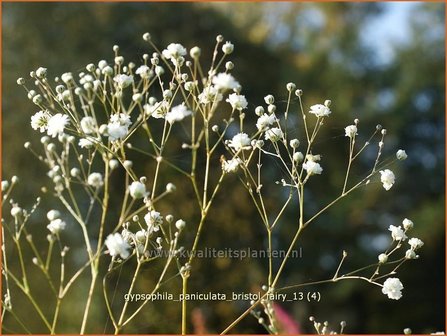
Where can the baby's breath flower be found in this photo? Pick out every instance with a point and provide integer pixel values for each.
(351, 131)
(227, 48)
(195, 52)
(170, 188)
(85, 143)
(294, 143)
(408, 224)
(41, 73)
(56, 226)
(123, 80)
(229, 65)
(53, 214)
(274, 134)
(415, 243)
(56, 124)
(210, 94)
(137, 190)
(401, 154)
(237, 102)
(224, 81)
(298, 157)
(95, 180)
(240, 141)
(393, 288)
(320, 110)
(16, 211)
(118, 127)
(113, 164)
(74, 172)
(387, 178)
(290, 87)
(143, 71)
(231, 166)
(312, 167)
(14, 179)
(269, 99)
(177, 113)
(264, 121)
(180, 224)
(174, 51)
(39, 121)
(117, 246)
(5, 185)
(410, 254)
(383, 258)
(397, 233)
(153, 220)
(88, 125)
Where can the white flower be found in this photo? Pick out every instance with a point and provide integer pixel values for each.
(383, 258)
(143, 71)
(415, 243)
(56, 226)
(40, 120)
(170, 188)
(408, 224)
(180, 224)
(210, 94)
(410, 254)
(298, 157)
(274, 134)
(320, 110)
(177, 113)
(224, 81)
(113, 164)
(118, 127)
(231, 166)
(53, 214)
(117, 246)
(88, 125)
(265, 121)
(41, 72)
(67, 77)
(237, 102)
(140, 236)
(312, 167)
(159, 110)
(123, 80)
(16, 211)
(137, 190)
(85, 143)
(153, 220)
(174, 51)
(393, 288)
(240, 141)
(351, 131)
(95, 180)
(397, 233)
(401, 154)
(228, 48)
(387, 178)
(56, 124)
(5, 185)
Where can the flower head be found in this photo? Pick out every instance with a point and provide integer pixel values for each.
(351, 131)
(174, 51)
(237, 102)
(401, 154)
(397, 233)
(56, 124)
(123, 80)
(137, 190)
(118, 127)
(415, 243)
(117, 246)
(210, 94)
(39, 121)
(88, 125)
(177, 113)
(393, 288)
(153, 220)
(240, 141)
(264, 121)
(274, 134)
(387, 178)
(85, 143)
(224, 81)
(231, 166)
(95, 180)
(56, 226)
(408, 224)
(312, 167)
(320, 110)
(143, 71)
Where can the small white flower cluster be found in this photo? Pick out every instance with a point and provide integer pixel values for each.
(56, 224)
(392, 287)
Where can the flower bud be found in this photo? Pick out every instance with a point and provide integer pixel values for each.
(180, 224)
(383, 258)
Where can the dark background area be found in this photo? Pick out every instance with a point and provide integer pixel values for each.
(328, 58)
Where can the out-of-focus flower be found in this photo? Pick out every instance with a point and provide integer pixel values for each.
(387, 178)
(117, 246)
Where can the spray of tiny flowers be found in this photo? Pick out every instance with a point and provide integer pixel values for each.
(89, 123)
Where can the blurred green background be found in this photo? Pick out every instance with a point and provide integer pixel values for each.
(379, 62)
